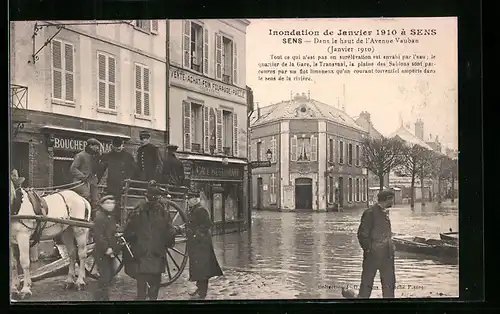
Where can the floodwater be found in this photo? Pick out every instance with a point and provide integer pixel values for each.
(315, 254)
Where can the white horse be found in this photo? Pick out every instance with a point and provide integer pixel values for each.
(66, 204)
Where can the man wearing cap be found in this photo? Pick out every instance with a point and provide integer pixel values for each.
(106, 245)
(149, 232)
(148, 159)
(173, 169)
(202, 260)
(84, 169)
(375, 238)
(120, 165)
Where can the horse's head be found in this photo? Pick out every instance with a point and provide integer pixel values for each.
(17, 195)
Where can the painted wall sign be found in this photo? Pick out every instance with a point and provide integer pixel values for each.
(74, 144)
(182, 78)
(216, 171)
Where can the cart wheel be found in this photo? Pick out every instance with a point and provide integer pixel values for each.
(176, 256)
(91, 266)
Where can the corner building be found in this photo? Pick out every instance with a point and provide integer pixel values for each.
(103, 80)
(316, 151)
(207, 109)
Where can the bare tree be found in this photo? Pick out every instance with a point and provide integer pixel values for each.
(381, 155)
(412, 166)
(426, 169)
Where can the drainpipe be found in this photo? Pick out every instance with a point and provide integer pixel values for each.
(249, 175)
(166, 139)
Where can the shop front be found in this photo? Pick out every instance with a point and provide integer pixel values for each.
(220, 182)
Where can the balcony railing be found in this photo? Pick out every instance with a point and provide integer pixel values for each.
(227, 151)
(226, 79)
(196, 148)
(19, 96)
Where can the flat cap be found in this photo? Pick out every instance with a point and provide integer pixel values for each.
(172, 147)
(93, 141)
(144, 134)
(117, 142)
(385, 195)
(193, 193)
(106, 198)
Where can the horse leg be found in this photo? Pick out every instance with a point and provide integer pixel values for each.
(14, 290)
(34, 253)
(68, 238)
(81, 235)
(23, 242)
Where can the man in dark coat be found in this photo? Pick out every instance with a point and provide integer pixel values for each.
(148, 159)
(106, 246)
(84, 169)
(173, 169)
(202, 260)
(375, 238)
(150, 232)
(120, 165)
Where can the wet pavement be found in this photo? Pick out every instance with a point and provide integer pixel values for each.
(301, 256)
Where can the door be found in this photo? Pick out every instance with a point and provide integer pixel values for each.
(260, 191)
(303, 194)
(20, 160)
(341, 192)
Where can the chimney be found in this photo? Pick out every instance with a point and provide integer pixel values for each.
(419, 129)
(309, 94)
(365, 115)
(258, 110)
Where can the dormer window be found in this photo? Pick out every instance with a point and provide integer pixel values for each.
(303, 109)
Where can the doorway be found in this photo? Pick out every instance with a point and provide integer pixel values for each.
(260, 191)
(20, 159)
(341, 192)
(303, 194)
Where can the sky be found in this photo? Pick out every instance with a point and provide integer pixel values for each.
(389, 98)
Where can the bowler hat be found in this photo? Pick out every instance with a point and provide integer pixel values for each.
(117, 142)
(93, 141)
(144, 134)
(385, 195)
(193, 193)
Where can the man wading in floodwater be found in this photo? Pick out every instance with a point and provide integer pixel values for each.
(375, 238)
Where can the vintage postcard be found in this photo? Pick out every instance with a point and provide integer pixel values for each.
(234, 159)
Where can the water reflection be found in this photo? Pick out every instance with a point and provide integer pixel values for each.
(313, 255)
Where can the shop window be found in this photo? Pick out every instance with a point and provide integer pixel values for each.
(62, 162)
(231, 201)
(218, 204)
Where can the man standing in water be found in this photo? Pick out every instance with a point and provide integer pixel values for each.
(375, 238)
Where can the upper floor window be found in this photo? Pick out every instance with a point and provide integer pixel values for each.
(260, 152)
(357, 155)
(273, 150)
(226, 59)
(330, 150)
(195, 47)
(341, 152)
(196, 127)
(304, 148)
(63, 71)
(148, 26)
(227, 125)
(349, 154)
(142, 90)
(106, 68)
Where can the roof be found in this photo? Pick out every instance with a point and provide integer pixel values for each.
(408, 137)
(367, 125)
(303, 108)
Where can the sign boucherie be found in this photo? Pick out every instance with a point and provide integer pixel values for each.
(74, 144)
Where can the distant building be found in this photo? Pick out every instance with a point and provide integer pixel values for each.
(365, 122)
(316, 150)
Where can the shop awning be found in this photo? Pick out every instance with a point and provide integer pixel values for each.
(214, 158)
(98, 133)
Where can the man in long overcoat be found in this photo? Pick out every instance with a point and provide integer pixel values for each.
(173, 169)
(202, 260)
(150, 232)
(375, 238)
(84, 169)
(148, 159)
(120, 165)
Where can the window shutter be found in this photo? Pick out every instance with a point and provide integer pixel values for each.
(338, 151)
(314, 148)
(218, 129)
(112, 82)
(57, 69)
(328, 153)
(205, 51)
(187, 125)
(218, 56)
(293, 148)
(101, 69)
(138, 89)
(146, 92)
(69, 83)
(206, 129)
(263, 151)
(154, 26)
(235, 135)
(235, 64)
(186, 44)
(273, 149)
